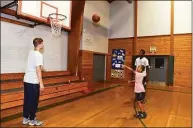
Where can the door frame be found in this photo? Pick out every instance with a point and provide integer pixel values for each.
(105, 73)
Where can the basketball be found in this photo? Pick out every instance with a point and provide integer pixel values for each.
(100, 63)
(95, 18)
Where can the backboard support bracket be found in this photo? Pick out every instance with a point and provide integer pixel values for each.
(35, 24)
(16, 14)
(12, 4)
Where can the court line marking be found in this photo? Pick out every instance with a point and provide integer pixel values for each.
(95, 92)
(159, 89)
(19, 115)
(173, 116)
(105, 109)
(168, 122)
(96, 114)
(170, 90)
(134, 106)
(180, 117)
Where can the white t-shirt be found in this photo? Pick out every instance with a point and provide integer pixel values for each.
(35, 59)
(144, 61)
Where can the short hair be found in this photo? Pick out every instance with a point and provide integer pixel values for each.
(37, 41)
(143, 51)
(142, 67)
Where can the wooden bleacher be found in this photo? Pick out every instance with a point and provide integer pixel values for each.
(56, 84)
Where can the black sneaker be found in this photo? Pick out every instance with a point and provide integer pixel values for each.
(141, 115)
(145, 114)
(138, 115)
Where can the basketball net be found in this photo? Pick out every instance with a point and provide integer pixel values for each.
(56, 21)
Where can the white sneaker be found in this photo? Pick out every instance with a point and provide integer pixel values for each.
(35, 122)
(25, 121)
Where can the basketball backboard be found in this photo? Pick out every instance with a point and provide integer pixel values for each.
(40, 10)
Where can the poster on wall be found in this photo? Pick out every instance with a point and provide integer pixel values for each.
(118, 59)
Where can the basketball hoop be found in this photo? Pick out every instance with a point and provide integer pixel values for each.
(56, 21)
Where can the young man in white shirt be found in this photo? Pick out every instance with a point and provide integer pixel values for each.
(33, 84)
(141, 60)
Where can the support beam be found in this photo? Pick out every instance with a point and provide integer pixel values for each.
(172, 29)
(15, 22)
(8, 12)
(74, 36)
(135, 26)
(14, 13)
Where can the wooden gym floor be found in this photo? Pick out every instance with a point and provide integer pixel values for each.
(166, 107)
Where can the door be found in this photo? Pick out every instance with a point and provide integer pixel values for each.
(157, 72)
(99, 67)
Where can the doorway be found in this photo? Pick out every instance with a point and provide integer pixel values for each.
(98, 67)
(158, 70)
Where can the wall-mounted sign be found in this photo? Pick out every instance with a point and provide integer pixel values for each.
(118, 59)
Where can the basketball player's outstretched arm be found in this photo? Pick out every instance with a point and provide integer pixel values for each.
(124, 66)
(131, 81)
